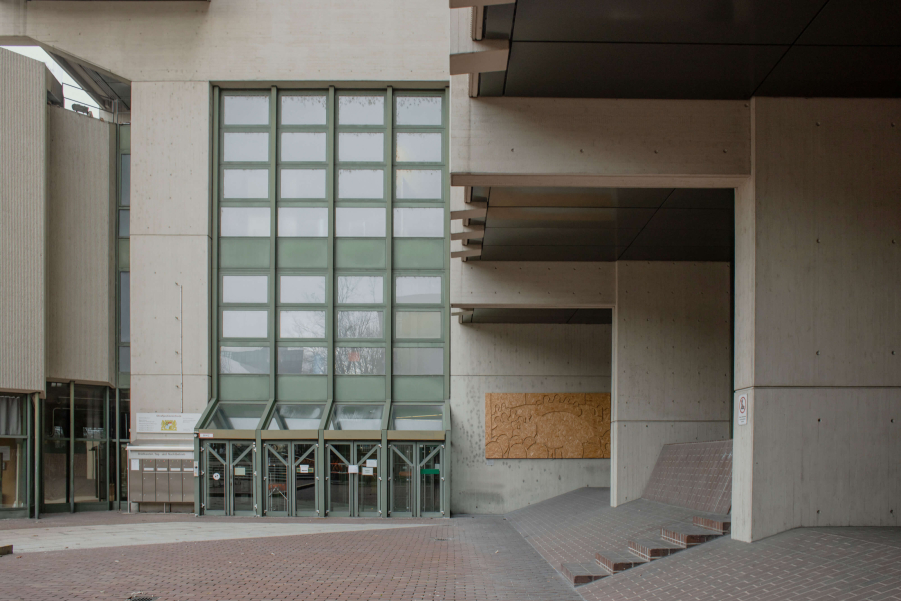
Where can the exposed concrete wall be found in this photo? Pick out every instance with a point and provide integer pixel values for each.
(672, 366)
(821, 254)
(23, 222)
(519, 358)
(80, 245)
(572, 139)
(237, 40)
(170, 246)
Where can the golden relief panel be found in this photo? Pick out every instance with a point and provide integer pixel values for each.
(547, 425)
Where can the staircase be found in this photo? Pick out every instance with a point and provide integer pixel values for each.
(673, 538)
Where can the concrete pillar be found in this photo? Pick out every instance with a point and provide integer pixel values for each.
(672, 374)
(818, 318)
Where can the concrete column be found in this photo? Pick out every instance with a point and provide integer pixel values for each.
(818, 318)
(672, 373)
(170, 246)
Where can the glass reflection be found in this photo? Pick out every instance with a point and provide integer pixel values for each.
(419, 223)
(244, 222)
(361, 110)
(303, 222)
(421, 184)
(245, 288)
(418, 361)
(360, 290)
(418, 148)
(302, 324)
(245, 324)
(361, 147)
(245, 183)
(360, 324)
(361, 183)
(418, 110)
(244, 360)
(418, 324)
(359, 361)
(303, 147)
(302, 184)
(303, 110)
(302, 360)
(245, 110)
(246, 147)
(418, 290)
(302, 289)
(360, 222)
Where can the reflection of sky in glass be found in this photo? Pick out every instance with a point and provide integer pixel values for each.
(302, 289)
(302, 324)
(303, 360)
(360, 290)
(244, 360)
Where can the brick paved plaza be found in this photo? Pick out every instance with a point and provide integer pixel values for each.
(513, 557)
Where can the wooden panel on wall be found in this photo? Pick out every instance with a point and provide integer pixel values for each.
(547, 426)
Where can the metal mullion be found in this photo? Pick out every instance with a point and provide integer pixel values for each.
(106, 430)
(273, 238)
(389, 240)
(330, 194)
(214, 258)
(71, 447)
(445, 280)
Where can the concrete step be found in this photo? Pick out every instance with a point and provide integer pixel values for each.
(687, 536)
(651, 549)
(583, 573)
(717, 523)
(618, 561)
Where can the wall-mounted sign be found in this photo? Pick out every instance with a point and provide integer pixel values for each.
(353, 469)
(167, 423)
(742, 409)
(367, 471)
(372, 463)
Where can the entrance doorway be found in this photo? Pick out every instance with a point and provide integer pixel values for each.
(291, 480)
(230, 478)
(416, 480)
(353, 479)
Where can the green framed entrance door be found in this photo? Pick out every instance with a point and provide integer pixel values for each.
(229, 478)
(416, 480)
(353, 479)
(431, 479)
(291, 480)
(401, 485)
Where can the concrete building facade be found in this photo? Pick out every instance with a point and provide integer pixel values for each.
(713, 254)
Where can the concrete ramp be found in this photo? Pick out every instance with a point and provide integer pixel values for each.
(694, 475)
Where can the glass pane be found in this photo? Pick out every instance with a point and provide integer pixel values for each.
(242, 476)
(418, 223)
(418, 324)
(296, 417)
(356, 417)
(303, 147)
(246, 147)
(56, 410)
(418, 290)
(416, 417)
(304, 477)
(124, 307)
(338, 478)
(237, 416)
(302, 289)
(245, 183)
(123, 223)
(303, 110)
(124, 414)
(401, 457)
(418, 110)
(360, 222)
(359, 361)
(360, 290)
(125, 180)
(55, 467)
(418, 361)
(361, 183)
(245, 324)
(302, 324)
(123, 471)
(360, 324)
(303, 222)
(244, 222)
(302, 183)
(430, 479)
(418, 148)
(361, 110)
(302, 360)
(244, 360)
(278, 463)
(418, 183)
(12, 416)
(125, 359)
(215, 475)
(368, 480)
(89, 402)
(90, 472)
(245, 110)
(363, 148)
(245, 288)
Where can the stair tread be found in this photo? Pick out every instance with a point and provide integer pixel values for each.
(689, 529)
(651, 543)
(585, 568)
(618, 561)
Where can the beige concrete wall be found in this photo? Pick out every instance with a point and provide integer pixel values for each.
(81, 248)
(170, 246)
(821, 258)
(672, 365)
(23, 222)
(519, 358)
(583, 141)
(237, 40)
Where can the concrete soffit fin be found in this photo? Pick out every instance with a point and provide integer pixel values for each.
(490, 55)
(469, 3)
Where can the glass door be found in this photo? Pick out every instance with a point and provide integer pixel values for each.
(366, 456)
(431, 480)
(400, 479)
(338, 460)
(275, 482)
(305, 479)
(214, 475)
(243, 493)
(353, 479)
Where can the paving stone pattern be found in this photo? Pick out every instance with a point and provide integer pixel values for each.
(697, 475)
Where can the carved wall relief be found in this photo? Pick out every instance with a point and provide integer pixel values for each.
(547, 425)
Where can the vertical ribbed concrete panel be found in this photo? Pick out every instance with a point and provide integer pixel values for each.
(23, 213)
(81, 285)
(673, 364)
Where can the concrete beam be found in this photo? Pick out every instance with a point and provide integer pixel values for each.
(477, 3)
(489, 55)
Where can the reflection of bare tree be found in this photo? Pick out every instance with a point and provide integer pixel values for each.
(359, 361)
(302, 360)
(302, 324)
(360, 290)
(360, 324)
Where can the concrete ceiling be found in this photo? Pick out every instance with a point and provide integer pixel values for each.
(702, 49)
(551, 316)
(606, 224)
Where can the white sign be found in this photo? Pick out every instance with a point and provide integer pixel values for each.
(372, 463)
(367, 471)
(742, 409)
(136, 465)
(136, 454)
(353, 469)
(196, 468)
(216, 476)
(240, 471)
(205, 435)
(167, 423)
(305, 469)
